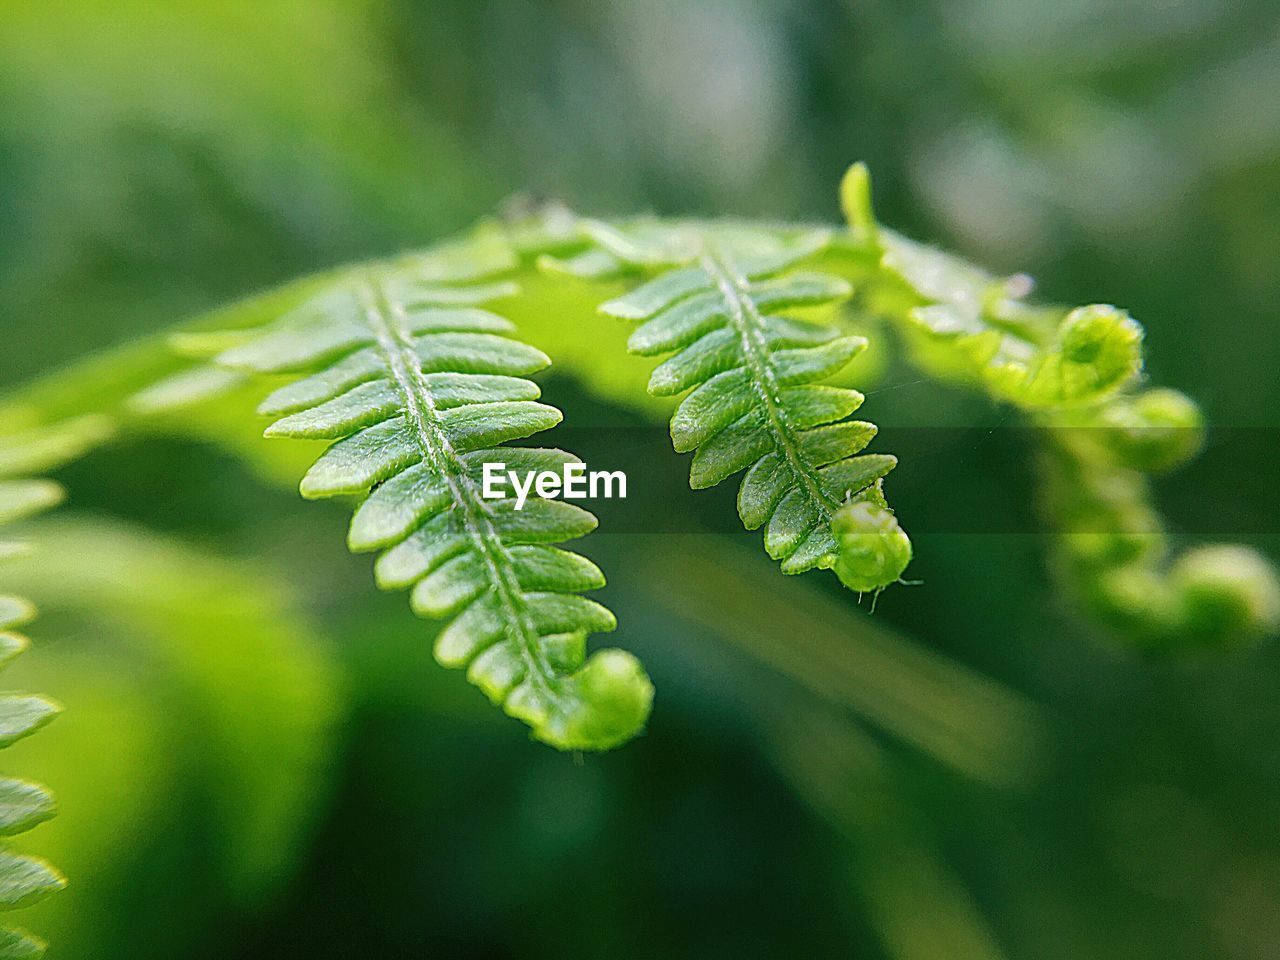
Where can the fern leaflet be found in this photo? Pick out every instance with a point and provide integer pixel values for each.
(419, 387)
(754, 402)
(26, 879)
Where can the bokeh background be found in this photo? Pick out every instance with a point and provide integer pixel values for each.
(259, 758)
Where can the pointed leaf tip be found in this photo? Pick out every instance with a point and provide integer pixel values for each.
(873, 550)
(855, 201)
(612, 703)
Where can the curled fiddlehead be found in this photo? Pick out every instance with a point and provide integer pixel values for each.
(1113, 546)
(963, 323)
(1077, 375)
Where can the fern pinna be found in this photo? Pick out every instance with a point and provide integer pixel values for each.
(420, 387)
(754, 402)
(25, 879)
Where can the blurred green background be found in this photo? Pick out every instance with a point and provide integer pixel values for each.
(251, 771)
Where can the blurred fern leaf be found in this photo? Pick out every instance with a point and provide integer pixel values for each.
(25, 879)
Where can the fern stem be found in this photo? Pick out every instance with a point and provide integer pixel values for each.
(749, 326)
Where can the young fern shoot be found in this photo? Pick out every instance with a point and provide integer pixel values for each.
(419, 386)
(1077, 375)
(746, 316)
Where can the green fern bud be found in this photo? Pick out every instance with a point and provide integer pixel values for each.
(1134, 600)
(618, 697)
(1104, 343)
(855, 202)
(873, 548)
(1153, 431)
(1096, 350)
(1229, 595)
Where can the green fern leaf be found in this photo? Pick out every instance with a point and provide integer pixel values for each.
(23, 498)
(15, 612)
(23, 805)
(44, 449)
(419, 387)
(1075, 371)
(753, 402)
(24, 879)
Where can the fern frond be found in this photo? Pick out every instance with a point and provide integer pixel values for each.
(419, 387)
(752, 375)
(1112, 544)
(25, 879)
(720, 300)
(1076, 374)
